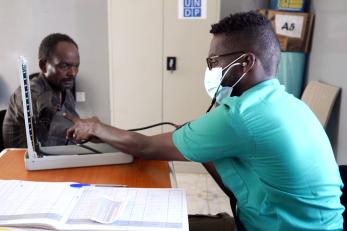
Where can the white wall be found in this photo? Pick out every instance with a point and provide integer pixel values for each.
(327, 62)
(24, 23)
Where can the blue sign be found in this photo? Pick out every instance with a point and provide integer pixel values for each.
(192, 3)
(192, 8)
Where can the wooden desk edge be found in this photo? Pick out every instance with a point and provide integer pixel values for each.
(140, 173)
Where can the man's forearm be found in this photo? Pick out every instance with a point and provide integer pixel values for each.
(128, 142)
(145, 147)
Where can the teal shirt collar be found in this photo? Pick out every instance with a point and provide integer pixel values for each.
(271, 81)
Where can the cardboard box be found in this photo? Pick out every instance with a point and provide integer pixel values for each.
(289, 5)
(293, 29)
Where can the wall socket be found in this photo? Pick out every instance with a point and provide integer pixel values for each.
(80, 96)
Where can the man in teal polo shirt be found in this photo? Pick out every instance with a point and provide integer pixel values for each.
(261, 144)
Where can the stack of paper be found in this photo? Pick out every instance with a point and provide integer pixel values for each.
(61, 207)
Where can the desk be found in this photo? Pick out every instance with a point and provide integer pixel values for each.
(140, 173)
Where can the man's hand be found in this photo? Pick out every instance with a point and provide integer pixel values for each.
(83, 129)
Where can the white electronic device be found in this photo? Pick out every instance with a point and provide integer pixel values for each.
(68, 156)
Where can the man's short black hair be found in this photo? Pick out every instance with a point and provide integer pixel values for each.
(48, 44)
(252, 32)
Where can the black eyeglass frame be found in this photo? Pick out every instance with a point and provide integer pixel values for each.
(211, 61)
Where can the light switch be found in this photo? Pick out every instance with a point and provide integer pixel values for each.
(80, 96)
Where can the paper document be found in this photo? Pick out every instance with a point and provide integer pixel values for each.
(108, 211)
(59, 206)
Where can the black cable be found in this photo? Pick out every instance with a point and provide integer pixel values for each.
(82, 145)
(134, 129)
(85, 146)
(89, 148)
(212, 103)
(153, 125)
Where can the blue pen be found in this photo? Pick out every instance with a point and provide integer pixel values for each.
(80, 185)
(77, 185)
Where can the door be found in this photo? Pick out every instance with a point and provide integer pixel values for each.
(142, 33)
(136, 46)
(184, 95)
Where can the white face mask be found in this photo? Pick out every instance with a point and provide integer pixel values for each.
(214, 78)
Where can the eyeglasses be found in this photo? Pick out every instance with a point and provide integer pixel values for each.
(212, 61)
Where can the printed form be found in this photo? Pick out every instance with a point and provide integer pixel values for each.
(152, 208)
(62, 207)
(27, 200)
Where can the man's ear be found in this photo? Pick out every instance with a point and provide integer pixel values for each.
(42, 65)
(249, 62)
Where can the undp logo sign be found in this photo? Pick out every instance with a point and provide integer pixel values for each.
(192, 9)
